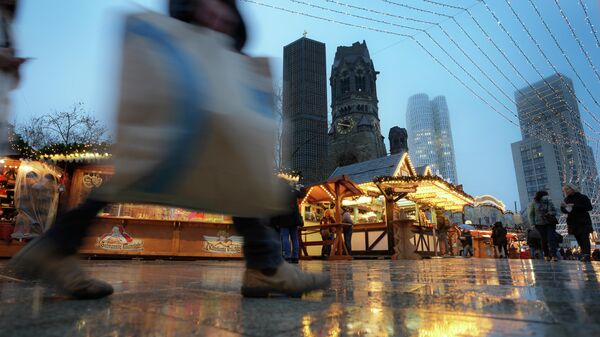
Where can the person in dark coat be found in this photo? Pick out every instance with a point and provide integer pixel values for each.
(288, 225)
(499, 239)
(542, 215)
(579, 222)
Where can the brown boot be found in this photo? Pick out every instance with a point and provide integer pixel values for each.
(287, 280)
(40, 260)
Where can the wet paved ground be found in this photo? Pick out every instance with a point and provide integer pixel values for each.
(441, 297)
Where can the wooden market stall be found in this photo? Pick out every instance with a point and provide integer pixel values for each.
(332, 192)
(141, 230)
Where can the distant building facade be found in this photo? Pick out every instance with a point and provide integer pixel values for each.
(430, 135)
(355, 133)
(304, 136)
(554, 149)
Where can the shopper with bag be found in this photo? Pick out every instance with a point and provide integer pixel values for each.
(175, 117)
(579, 223)
(542, 215)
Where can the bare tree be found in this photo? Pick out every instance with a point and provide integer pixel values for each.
(72, 126)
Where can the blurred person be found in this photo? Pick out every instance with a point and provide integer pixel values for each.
(443, 225)
(596, 254)
(347, 219)
(288, 225)
(467, 242)
(327, 233)
(534, 241)
(499, 240)
(52, 256)
(542, 214)
(579, 223)
(10, 66)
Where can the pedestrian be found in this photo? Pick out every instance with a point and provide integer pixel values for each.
(569, 254)
(348, 222)
(52, 256)
(10, 66)
(542, 214)
(467, 242)
(579, 222)
(288, 225)
(443, 225)
(534, 241)
(327, 233)
(499, 240)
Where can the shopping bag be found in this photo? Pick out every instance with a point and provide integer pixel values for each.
(196, 123)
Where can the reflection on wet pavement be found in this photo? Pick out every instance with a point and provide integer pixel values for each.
(440, 297)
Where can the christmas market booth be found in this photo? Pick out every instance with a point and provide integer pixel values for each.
(128, 229)
(395, 215)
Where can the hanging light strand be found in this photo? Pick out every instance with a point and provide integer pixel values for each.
(589, 22)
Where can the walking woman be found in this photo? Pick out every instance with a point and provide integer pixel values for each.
(579, 223)
(542, 215)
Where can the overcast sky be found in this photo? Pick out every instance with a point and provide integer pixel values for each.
(75, 44)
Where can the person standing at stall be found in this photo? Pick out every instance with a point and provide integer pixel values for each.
(579, 222)
(52, 257)
(347, 220)
(542, 215)
(327, 233)
(499, 240)
(288, 225)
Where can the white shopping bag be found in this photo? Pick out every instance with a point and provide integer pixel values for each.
(196, 123)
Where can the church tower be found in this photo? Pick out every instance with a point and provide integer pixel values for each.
(354, 134)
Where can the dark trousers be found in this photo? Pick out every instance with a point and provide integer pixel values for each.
(326, 249)
(583, 240)
(348, 239)
(549, 242)
(262, 248)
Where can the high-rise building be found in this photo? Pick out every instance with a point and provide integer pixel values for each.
(304, 143)
(430, 135)
(550, 120)
(355, 134)
(536, 166)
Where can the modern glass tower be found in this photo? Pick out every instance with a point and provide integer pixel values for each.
(430, 135)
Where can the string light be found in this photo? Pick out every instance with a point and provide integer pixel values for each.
(587, 19)
(563, 53)
(581, 47)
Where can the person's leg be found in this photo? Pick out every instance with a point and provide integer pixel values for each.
(295, 244)
(348, 239)
(583, 240)
(266, 272)
(51, 257)
(262, 248)
(544, 240)
(284, 234)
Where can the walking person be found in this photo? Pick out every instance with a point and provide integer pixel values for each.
(347, 220)
(288, 225)
(443, 225)
(467, 242)
(52, 256)
(499, 240)
(542, 215)
(10, 66)
(579, 223)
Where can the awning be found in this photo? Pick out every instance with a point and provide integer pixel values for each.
(428, 190)
(332, 189)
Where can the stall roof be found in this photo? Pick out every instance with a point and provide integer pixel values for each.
(365, 172)
(326, 190)
(424, 170)
(431, 190)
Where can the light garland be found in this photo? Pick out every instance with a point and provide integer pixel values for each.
(76, 156)
(587, 19)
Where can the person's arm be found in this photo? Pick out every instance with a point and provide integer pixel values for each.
(582, 203)
(531, 214)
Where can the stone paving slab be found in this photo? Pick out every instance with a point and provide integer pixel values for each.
(437, 297)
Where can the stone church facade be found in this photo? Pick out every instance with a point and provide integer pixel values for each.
(355, 133)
